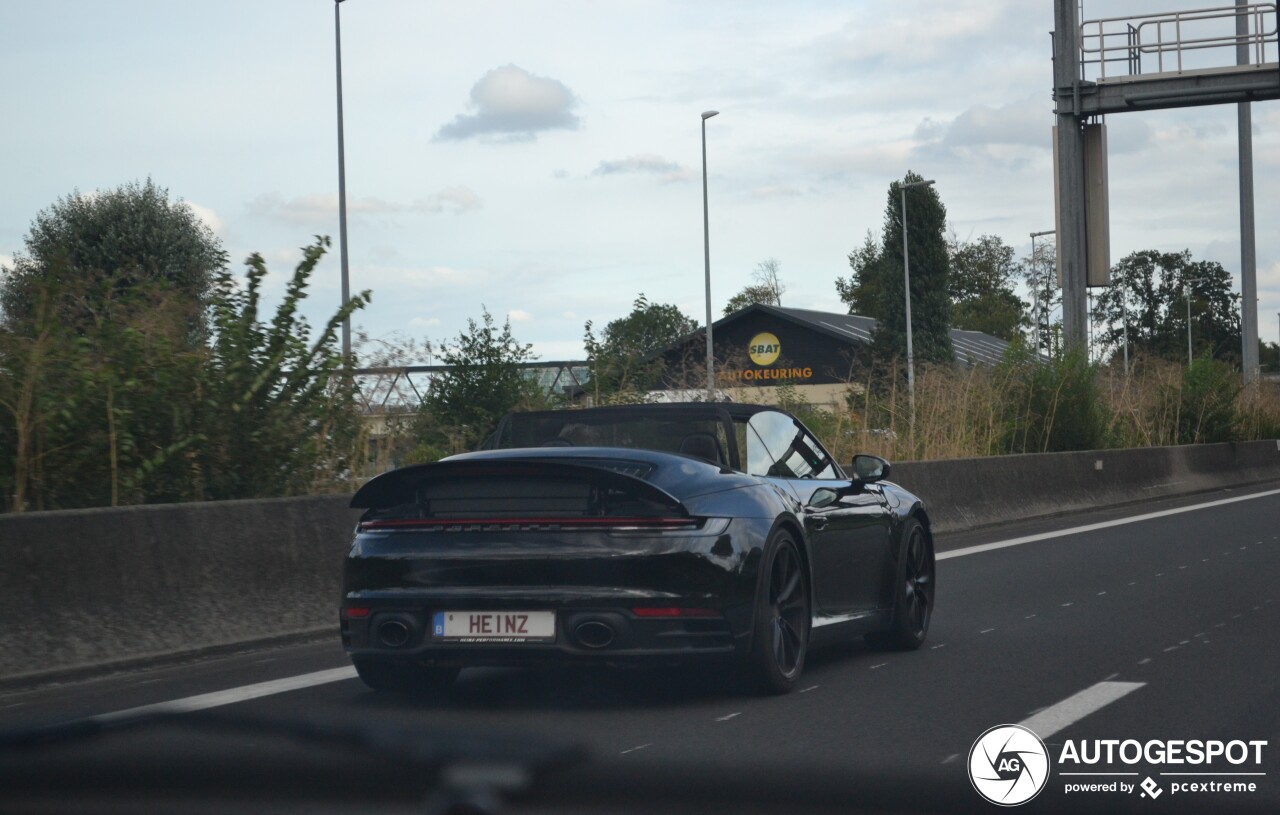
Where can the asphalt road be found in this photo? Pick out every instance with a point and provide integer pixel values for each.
(1165, 627)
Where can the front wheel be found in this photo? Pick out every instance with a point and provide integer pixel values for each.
(392, 677)
(782, 618)
(913, 594)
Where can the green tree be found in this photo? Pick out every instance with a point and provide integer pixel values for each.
(1039, 275)
(485, 380)
(130, 237)
(278, 416)
(863, 290)
(1050, 406)
(766, 288)
(981, 287)
(930, 267)
(624, 359)
(1147, 300)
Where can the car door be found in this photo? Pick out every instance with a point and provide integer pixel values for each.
(849, 540)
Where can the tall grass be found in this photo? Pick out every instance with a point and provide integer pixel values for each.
(1025, 406)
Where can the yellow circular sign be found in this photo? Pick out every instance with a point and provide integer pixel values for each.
(764, 349)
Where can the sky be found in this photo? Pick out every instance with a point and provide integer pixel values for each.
(542, 160)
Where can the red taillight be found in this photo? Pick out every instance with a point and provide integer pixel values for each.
(675, 612)
(355, 612)
(530, 524)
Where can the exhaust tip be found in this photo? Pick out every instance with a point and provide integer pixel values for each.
(594, 634)
(393, 634)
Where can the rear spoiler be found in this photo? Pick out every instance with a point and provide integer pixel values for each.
(401, 486)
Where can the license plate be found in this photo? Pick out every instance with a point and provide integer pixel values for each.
(494, 626)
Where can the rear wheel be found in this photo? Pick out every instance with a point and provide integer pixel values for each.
(393, 677)
(782, 619)
(913, 595)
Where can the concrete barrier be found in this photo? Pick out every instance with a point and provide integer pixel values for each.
(98, 587)
(85, 590)
(975, 492)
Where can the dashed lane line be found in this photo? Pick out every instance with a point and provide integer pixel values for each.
(1075, 707)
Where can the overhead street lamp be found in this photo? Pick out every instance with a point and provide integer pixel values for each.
(342, 188)
(1186, 293)
(906, 274)
(706, 253)
(1035, 289)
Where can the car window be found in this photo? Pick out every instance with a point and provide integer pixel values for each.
(794, 453)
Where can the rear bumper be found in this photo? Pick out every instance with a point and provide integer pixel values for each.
(584, 634)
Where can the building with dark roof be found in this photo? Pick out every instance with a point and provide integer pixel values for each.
(818, 352)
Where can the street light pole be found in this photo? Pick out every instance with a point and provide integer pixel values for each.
(706, 254)
(342, 187)
(906, 276)
(1186, 292)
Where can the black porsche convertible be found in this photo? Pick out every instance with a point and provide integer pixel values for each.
(633, 534)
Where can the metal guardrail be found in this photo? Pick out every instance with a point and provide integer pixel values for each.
(1116, 48)
(393, 388)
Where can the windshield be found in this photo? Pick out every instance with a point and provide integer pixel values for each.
(701, 437)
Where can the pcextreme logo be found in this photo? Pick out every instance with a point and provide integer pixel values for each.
(1008, 765)
(764, 349)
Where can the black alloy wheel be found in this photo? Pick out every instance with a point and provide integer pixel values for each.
(914, 596)
(783, 618)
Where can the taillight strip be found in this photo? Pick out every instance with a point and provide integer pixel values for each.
(600, 523)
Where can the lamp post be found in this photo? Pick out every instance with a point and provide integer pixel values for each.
(1035, 288)
(342, 187)
(1186, 292)
(706, 254)
(906, 275)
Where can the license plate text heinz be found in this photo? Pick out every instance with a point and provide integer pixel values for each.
(510, 626)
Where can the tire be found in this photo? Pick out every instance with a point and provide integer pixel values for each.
(782, 619)
(913, 594)
(392, 677)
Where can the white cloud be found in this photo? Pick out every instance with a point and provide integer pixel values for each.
(6, 261)
(392, 281)
(647, 163)
(424, 322)
(770, 191)
(315, 208)
(210, 218)
(511, 103)
(519, 315)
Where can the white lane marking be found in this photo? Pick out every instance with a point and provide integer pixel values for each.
(1144, 660)
(881, 665)
(939, 645)
(640, 747)
(1113, 676)
(1075, 707)
(1076, 530)
(1099, 593)
(1028, 617)
(985, 630)
(1064, 605)
(232, 695)
(730, 716)
(949, 758)
(1171, 648)
(1132, 583)
(811, 687)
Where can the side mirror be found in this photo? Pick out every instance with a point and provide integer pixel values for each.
(823, 498)
(869, 469)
